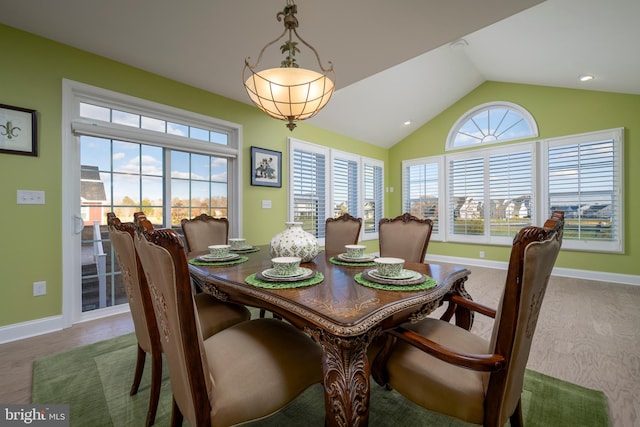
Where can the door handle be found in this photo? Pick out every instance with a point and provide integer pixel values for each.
(78, 224)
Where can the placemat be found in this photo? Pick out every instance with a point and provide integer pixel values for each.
(427, 284)
(219, 263)
(251, 280)
(334, 260)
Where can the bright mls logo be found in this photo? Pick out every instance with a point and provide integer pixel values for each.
(34, 415)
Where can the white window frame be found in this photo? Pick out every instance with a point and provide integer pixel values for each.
(453, 132)
(485, 154)
(437, 233)
(334, 155)
(72, 125)
(617, 135)
(295, 144)
(540, 196)
(331, 154)
(364, 235)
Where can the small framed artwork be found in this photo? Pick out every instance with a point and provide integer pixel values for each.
(266, 167)
(18, 131)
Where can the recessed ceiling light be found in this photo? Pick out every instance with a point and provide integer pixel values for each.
(407, 123)
(586, 77)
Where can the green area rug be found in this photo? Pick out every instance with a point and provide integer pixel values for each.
(95, 380)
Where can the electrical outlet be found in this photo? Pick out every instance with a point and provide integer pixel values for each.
(481, 254)
(39, 288)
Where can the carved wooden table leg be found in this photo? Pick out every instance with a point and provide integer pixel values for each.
(345, 369)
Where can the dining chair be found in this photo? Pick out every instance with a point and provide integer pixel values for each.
(405, 236)
(204, 230)
(450, 370)
(213, 315)
(341, 231)
(245, 372)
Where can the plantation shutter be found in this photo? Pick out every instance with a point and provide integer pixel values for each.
(309, 190)
(345, 187)
(420, 189)
(466, 196)
(583, 182)
(510, 192)
(373, 183)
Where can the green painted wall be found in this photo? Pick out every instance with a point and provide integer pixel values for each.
(31, 77)
(31, 74)
(558, 112)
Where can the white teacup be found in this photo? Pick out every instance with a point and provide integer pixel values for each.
(219, 251)
(389, 267)
(237, 243)
(286, 266)
(355, 251)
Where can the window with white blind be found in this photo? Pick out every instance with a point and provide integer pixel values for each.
(309, 186)
(373, 181)
(490, 194)
(511, 185)
(345, 191)
(325, 183)
(422, 192)
(584, 179)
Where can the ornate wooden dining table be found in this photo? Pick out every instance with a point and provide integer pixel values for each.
(340, 314)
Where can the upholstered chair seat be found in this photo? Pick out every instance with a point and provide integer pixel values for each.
(276, 364)
(452, 371)
(213, 315)
(440, 384)
(245, 372)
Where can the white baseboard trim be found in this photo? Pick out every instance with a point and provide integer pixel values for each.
(32, 328)
(600, 276)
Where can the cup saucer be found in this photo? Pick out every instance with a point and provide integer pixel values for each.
(304, 273)
(211, 258)
(271, 272)
(242, 248)
(364, 258)
(404, 275)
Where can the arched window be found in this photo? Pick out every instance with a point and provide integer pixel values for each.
(489, 123)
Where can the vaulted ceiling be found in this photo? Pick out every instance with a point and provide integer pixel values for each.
(394, 61)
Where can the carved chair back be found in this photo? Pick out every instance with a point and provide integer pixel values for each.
(341, 231)
(204, 230)
(405, 237)
(533, 255)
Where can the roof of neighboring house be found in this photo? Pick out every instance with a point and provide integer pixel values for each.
(91, 187)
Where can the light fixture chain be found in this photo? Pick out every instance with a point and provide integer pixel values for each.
(326, 70)
(246, 61)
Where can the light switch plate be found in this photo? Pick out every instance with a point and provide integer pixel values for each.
(30, 197)
(266, 204)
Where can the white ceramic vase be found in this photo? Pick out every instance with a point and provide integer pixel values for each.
(294, 241)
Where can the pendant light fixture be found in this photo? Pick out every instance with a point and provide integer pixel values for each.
(289, 93)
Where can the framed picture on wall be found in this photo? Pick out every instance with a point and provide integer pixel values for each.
(266, 167)
(18, 131)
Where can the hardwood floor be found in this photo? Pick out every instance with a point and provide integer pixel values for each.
(587, 334)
